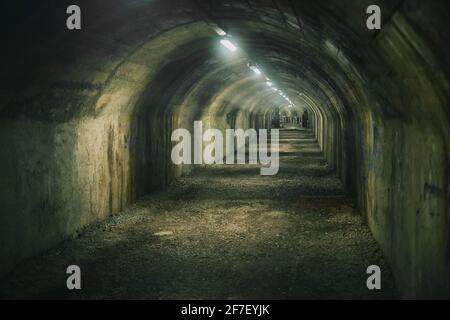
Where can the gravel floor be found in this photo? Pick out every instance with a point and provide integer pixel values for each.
(225, 232)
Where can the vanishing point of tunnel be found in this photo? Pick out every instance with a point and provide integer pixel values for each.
(116, 132)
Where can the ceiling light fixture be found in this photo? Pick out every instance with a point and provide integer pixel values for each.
(220, 32)
(255, 70)
(228, 44)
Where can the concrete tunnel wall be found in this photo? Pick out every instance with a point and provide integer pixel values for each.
(86, 116)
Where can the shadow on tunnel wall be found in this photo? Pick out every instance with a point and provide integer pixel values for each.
(86, 116)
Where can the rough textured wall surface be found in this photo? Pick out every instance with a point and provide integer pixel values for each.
(406, 196)
(86, 117)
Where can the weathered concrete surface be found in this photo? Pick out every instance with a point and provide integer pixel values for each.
(224, 232)
(57, 176)
(86, 117)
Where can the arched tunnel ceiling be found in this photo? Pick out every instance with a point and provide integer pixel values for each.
(321, 49)
(287, 39)
(287, 45)
(87, 115)
(302, 46)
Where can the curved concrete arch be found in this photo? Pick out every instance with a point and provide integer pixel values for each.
(86, 116)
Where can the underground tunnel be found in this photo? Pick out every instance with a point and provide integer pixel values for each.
(361, 118)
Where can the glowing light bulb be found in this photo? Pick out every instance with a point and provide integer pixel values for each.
(255, 70)
(228, 44)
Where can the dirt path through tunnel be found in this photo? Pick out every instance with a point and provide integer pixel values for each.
(224, 232)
